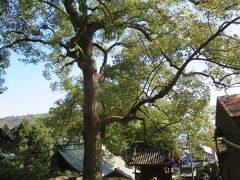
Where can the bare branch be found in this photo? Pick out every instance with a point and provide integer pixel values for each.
(25, 40)
(119, 119)
(147, 81)
(99, 47)
(70, 63)
(151, 80)
(154, 90)
(110, 48)
(231, 6)
(142, 30)
(66, 65)
(105, 56)
(73, 14)
(160, 129)
(217, 63)
(104, 63)
(170, 61)
(44, 27)
(58, 59)
(144, 112)
(195, 2)
(69, 53)
(54, 6)
(116, 44)
(217, 82)
(132, 25)
(16, 32)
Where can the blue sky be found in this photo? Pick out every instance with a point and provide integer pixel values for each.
(28, 91)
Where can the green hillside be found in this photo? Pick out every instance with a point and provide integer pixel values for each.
(13, 121)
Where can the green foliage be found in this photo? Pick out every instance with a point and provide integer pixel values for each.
(149, 78)
(176, 28)
(184, 109)
(32, 154)
(65, 119)
(35, 146)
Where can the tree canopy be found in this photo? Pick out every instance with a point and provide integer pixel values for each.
(153, 46)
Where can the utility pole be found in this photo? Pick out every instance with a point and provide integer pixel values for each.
(190, 153)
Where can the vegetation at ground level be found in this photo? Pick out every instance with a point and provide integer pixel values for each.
(30, 155)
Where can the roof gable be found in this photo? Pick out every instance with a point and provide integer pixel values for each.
(231, 104)
(144, 154)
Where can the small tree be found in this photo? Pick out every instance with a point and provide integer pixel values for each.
(31, 155)
(36, 148)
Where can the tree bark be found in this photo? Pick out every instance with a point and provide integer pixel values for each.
(92, 162)
(92, 127)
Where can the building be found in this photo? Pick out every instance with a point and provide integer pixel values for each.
(151, 162)
(118, 174)
(227, 136)
(71, 158)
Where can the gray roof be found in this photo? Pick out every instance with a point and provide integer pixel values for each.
(118, 173)
(73, 154)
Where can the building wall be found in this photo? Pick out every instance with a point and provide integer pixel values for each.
(230, 167)
(148, 172)
(225, 122)
(234, 157)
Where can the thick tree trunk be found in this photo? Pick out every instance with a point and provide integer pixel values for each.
(92, 131)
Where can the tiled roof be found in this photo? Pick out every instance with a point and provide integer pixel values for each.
(231, 104)
(118, 173)
(150, 156)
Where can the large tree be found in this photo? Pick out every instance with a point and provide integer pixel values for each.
(165, 36)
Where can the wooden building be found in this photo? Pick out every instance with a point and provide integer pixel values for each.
(151, 162)
(227, 136)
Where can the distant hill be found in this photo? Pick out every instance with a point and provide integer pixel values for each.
(14, 121)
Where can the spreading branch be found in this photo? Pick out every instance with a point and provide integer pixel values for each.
(217, 63)
(18, 41)
(119, 119)
(105, 57)
(67, 65)
(170, 61)
(141, 29)
(73, 14)
(69, 53)
(135, 108)
(214, 80)
(149, 80)
(114, 15)
(56, 7)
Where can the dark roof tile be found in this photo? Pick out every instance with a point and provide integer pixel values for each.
(150, 156)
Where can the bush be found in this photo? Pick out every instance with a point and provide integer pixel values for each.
(33, 156)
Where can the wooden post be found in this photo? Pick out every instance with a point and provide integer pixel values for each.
(190, 153)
